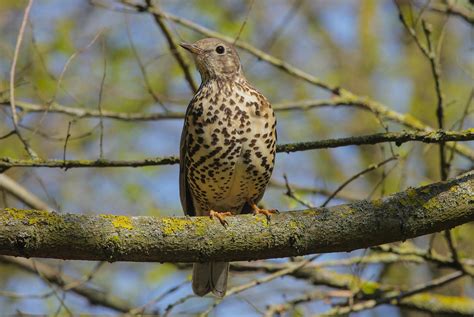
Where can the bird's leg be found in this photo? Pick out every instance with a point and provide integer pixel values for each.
(220, 216)
(257, 210)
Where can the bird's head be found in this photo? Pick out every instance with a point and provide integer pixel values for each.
(215, 59)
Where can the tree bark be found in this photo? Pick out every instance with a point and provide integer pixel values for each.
(411, 213)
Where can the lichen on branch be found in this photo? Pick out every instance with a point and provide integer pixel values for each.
(411, 213)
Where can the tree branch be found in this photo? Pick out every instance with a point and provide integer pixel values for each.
(408, 214)
(397, 137)
(22, 194)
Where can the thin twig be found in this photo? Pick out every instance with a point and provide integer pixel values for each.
(173, 45)
(21, 34)
(7, 135)
(141, 309)
(45, 110)
(99, 102)
(142, 67)
(356, 176)
(312, 190)
(22, 194)
(14, 62)
(245, 21)
(171, 306)
(68, 135)
(290, 193)
(285, 21)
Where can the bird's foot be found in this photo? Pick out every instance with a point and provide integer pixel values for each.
(266, 212)
(220, 216)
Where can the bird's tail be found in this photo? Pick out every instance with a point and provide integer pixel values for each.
(210, 277)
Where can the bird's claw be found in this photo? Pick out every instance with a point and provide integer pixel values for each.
(220, 216)
(266, 212)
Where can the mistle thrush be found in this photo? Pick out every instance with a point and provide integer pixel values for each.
(227, 150)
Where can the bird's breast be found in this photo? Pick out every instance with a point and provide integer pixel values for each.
(230, 148)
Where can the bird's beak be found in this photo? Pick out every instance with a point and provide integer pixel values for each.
(191, 47)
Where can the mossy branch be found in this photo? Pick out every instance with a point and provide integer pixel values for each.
(408, 214)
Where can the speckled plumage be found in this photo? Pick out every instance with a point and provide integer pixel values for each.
(227, 145)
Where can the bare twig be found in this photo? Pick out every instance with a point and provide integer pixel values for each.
(171, 306)
(242, 27)
(173, 45)
(49, 103)
(22, 194)
(91, 113)
(7, 135)
(141, 309)
(142, 67)
(290, 193)
(278, 309)
(68, 135)
(285, 21)
(356, 176)
(460, 123)
(99, 102)
(21, 33)
(311, 190)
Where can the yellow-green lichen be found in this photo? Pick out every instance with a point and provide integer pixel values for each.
(410, 197)
(32, 216)
(377, 203)
(312, 212)
(369, 288)
(432, 204)
(173, 225)
(464, 305)
(261, 219)
(412, 193)
(346, 211)
(293, 225)
(200, 225)
(122, 222)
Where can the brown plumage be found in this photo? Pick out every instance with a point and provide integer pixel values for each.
(227, 150)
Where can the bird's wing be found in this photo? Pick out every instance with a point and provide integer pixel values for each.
(184, 192)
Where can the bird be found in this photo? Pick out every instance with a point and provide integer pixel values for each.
(227, 149)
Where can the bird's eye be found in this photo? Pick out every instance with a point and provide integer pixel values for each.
(220, 49)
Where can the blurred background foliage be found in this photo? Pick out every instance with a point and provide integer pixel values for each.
(357, 44)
